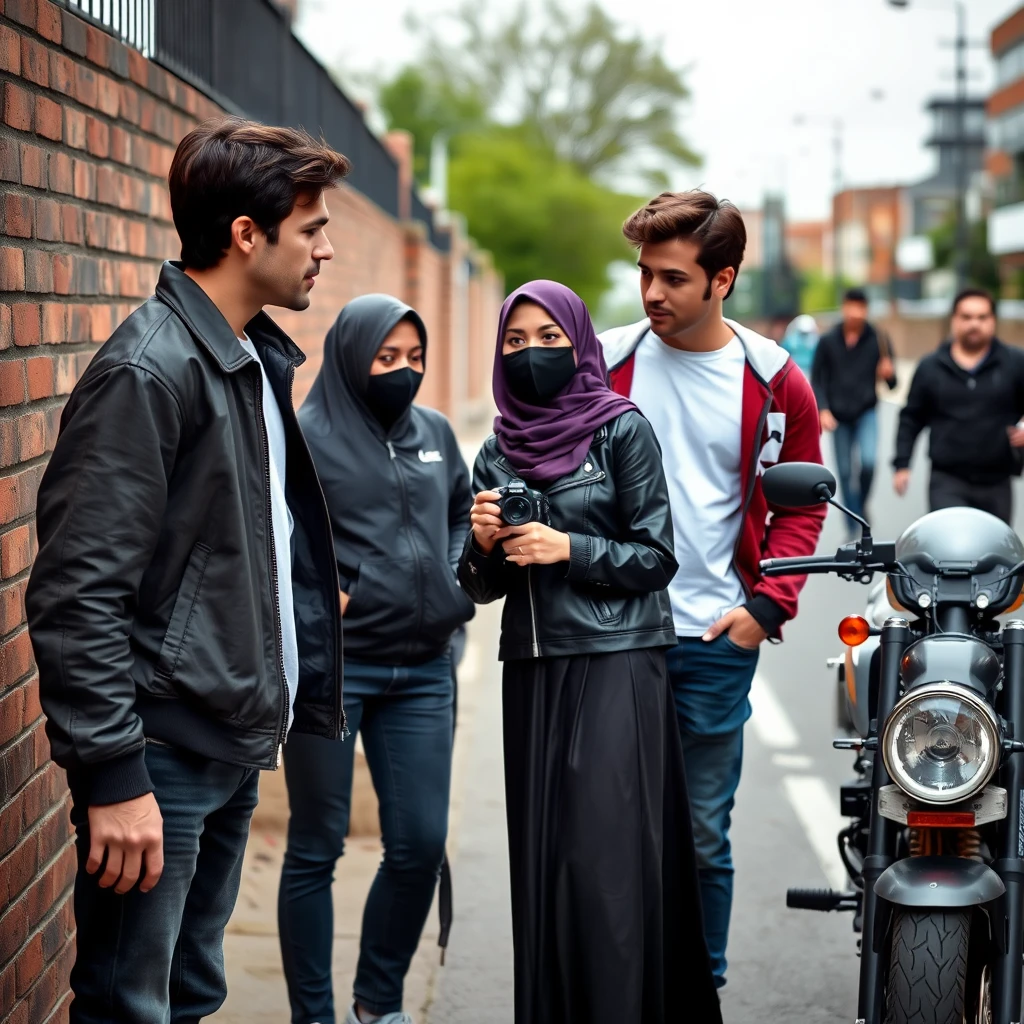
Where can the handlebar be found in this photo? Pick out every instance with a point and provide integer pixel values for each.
(806, 566)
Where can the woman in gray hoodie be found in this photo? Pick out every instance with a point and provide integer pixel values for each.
(399, 496)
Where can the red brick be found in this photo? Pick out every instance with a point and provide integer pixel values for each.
(108, 95)
(79, 323)
(147, 114)
(85, 275)
(67, 372)
(26, 318)
(18, 761)
(85, 180)
(15, 549)
(12, 599)
(99, 138)
(96, 46)
(137, 238)
(96, 229)
(75, 128)
(22, 11)
(49, 119)
(40, 371)
(33, 166)
(38, 271)
(13, 929)
(61, 177)
(128, 280)
(48, 220)
(8, 457)
(48, 22)
(73, 34)
(62, 73)
(30, 431)
(120, 145)
(30, 965)
(6, 327)
(55, 323)
(12, 715)
(12, 270)
(102, 323)
(71, 220)
(85, 86)
(35, 62)
(10, 164)
(17, 107)
(138, 68)
(17, 215)
(12, 382)
(18, 493)
(62, 271)
(33, 709)
(129, 101)
(10, 50)
(106, 186)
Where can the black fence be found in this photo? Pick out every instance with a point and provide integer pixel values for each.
(244, 56)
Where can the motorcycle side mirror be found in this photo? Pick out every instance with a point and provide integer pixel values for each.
(798, 484)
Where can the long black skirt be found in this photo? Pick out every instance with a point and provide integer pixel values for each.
(606, 916)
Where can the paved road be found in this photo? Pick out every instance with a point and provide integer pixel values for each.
(784, 965)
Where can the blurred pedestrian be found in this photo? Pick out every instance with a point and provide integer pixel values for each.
(399, 497)
(606, 916)
(849, 361)
(724, 404)
(180, 523)
(801, 341)
(970, 393)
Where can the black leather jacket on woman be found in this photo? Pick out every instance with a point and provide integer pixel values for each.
(611, 595)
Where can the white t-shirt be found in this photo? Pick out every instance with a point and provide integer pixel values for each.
(282, 525)
(693, 400)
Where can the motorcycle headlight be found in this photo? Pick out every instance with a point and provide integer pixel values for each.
(941, 743)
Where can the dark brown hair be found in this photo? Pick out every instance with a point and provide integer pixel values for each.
(695, 216)
(973, 293)
(229, 168)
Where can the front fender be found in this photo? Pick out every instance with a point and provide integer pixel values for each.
(939, 882)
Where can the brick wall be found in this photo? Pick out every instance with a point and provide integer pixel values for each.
(87, 131)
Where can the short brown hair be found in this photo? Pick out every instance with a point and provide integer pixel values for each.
(228, 168)
(696, 216)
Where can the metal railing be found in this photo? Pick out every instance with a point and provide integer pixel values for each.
(244, 56)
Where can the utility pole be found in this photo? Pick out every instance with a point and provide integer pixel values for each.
(960, 240)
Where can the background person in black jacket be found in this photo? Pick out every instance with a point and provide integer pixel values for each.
(971, 394)
(606, 916)
(398, 493)
(179, 521)
(848, 362)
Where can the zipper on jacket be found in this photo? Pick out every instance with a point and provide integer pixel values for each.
(274, 577)
(412, 540)
(533, 611)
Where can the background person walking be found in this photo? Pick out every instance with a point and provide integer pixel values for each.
(849, 360)
(970, 393)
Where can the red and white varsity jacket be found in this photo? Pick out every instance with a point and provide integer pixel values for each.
(779, 424)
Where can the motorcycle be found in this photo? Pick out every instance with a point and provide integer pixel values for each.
(853, 668)
(935, 848)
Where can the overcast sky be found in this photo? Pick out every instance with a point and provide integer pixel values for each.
(755, 65)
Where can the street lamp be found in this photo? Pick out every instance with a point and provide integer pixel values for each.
(960, 249)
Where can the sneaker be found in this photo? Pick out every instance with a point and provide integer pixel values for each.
(388, 1018)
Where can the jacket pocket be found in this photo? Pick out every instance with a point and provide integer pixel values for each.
(185, 607)
(382, 603)
(445, 605)
(607, 612)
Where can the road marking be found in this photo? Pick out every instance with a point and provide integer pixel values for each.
(796, 762)
(817, 808)
(770, 721)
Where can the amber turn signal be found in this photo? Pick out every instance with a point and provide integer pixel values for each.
(1016, 604)
(854, 630)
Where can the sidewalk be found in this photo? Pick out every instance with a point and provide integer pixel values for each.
(256, 988)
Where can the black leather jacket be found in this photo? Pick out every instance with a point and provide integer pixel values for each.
(152, 605)
(611, 595)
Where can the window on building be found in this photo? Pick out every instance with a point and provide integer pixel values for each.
(1010, 64)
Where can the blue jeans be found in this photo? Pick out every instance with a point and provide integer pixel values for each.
(405, 716)
(711, 684)
(862, 435)
(157, 957)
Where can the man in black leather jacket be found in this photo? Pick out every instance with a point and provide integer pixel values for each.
(180, 523)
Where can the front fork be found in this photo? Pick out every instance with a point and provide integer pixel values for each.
(1007, 925)
(882, 836)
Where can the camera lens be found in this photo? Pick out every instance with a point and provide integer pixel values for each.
(516, 510)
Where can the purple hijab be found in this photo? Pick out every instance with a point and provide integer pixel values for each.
(546, 442)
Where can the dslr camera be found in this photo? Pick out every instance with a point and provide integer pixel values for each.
(520, 505)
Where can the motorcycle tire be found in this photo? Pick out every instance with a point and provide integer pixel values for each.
(928, 967)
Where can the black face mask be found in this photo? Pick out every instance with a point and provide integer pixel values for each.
(536, 375)
(389, 394)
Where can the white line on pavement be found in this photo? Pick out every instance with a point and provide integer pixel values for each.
(817, 808)
(770, 721)
(795, 762)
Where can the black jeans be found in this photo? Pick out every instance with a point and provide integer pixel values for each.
(158, 957)
(948, 491)
(405, 717)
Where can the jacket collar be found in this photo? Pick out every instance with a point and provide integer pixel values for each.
(993, 360)
(208, 326)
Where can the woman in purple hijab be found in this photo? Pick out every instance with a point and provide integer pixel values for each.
(572, 526)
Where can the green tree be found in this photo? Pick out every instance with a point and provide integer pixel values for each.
(601, 99)
(982, 266)
(539, 216)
